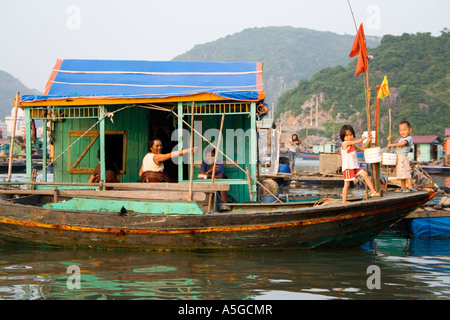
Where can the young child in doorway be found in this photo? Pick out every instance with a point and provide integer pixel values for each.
(402, 148)
(350, 167)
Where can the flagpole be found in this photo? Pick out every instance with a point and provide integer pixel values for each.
(367, 92)
(382, 92)
(377, 138)
(390, 118)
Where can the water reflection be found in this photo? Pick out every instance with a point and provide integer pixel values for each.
(408, 270)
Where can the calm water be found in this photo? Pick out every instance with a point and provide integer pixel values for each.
(404, 269)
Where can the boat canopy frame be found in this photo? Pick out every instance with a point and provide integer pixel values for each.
(181, 109)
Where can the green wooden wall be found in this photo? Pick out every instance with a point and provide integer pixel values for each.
(237, 140)
(134, 121)
(235, 143)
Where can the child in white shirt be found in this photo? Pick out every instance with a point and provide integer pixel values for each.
(350, 167)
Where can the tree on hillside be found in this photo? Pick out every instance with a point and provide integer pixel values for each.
(416, 66)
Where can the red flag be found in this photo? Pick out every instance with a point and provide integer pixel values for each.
(359, 49)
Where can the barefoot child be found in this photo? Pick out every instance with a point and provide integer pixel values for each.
(350, 167)
(402, 148)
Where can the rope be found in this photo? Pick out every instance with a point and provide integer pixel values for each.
(158, 73)
(326, 202)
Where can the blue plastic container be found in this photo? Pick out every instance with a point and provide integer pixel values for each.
(268, 198)
(284, 168)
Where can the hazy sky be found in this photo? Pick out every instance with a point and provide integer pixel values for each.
(34, 33)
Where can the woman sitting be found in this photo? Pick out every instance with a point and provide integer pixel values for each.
(152, 169)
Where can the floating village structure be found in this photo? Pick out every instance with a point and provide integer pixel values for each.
(427, 149)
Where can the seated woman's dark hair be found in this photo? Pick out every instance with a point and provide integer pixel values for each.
(151, 141)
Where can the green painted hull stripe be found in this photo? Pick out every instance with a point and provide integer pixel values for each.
(102, 205)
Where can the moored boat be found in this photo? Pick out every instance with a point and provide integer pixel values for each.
(110, 222)
(108, 110)
(436, 169)
(305, 155)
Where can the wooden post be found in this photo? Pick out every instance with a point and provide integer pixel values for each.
(387, 179)
(213, 177)
(253, 155)
(44, 150)
(11, 145)
(377, 166)
(28, 142)
(55, 195)
(179, 130)
(390, 119)
(249, 183)
(101, 115)
(191, 173)
(390, 133)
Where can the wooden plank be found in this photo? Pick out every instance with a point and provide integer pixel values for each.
(16, 191)
(191, 169)
(116, 194)
(82, 154)
(96, 101)
(141, 194)
(163, 186)
(427, 213)
(29, 168)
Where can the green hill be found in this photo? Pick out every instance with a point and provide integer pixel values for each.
(288, 54)
(9, 86)
(417, 68)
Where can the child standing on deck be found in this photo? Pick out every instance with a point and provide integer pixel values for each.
(350, 167)
(402, 148)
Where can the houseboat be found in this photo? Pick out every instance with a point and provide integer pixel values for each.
(98, 111)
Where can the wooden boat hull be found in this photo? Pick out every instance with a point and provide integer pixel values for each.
(16, 167)
(242, 226)
(308, 156)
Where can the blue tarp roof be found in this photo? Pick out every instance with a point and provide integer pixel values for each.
(121, 79)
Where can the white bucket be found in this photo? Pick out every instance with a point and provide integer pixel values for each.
(389, 159)
(366, 135)
(372, 155)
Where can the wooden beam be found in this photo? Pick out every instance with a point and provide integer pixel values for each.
(213, 174)
(115, 194)
(163, 186)
(191, 154)
(102, 142)
(95, 101)
(28, 143)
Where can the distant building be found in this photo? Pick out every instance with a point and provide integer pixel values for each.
(20, 123)
(326, 148)
(426, 148)
(4, 129)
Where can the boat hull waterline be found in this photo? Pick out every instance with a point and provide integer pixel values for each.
(248, 225)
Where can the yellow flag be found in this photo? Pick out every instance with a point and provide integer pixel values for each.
(384, 89)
